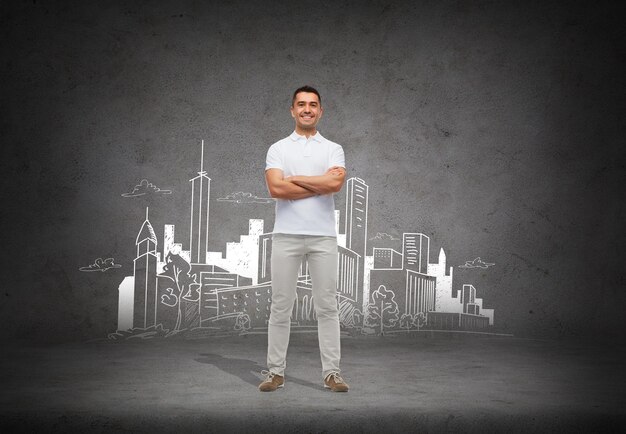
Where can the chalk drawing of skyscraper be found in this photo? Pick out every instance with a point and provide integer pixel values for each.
(356, 231)
(145, 296)
(356, 215)
(199, 230)
(415, 248)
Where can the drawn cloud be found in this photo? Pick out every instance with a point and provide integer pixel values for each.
(145, 187)
(382, 236)
(100, 265)
(476, 263)
(241, 197)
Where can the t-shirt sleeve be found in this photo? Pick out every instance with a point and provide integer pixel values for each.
(337, 157)
(273, 160)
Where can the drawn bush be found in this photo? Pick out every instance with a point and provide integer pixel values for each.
(242, 323)
(406, 321)
(346, 313)
(419, 320)
(371, 322)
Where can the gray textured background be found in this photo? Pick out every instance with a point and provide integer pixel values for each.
(495, 129)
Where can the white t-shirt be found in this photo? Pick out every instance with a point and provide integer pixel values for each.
(297, 155)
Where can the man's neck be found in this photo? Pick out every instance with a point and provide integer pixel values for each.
(306, 133)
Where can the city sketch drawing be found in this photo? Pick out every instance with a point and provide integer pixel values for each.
(385, 284)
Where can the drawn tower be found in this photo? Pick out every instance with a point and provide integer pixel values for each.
(446, 299)
(356, 215)
(415, 252)
(199, 229)
(145, 294)
(356, 226)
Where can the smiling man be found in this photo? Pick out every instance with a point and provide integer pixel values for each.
(302, 172)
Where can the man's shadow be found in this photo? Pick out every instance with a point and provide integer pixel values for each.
(245, 369)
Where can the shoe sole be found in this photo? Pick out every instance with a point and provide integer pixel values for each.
(277, 387)
(339, 391)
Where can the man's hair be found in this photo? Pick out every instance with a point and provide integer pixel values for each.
(308, 89)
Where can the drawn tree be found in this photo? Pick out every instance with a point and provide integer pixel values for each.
(406, 321)
(242, 323)
(383, 311)
(419, 320)
(169, 298)
(183, 286)
(372, 319)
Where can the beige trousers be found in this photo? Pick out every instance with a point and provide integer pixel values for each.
(287, 254)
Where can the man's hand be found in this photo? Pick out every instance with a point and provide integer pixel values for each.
(280, 188)
(328, 183)
(336, 170)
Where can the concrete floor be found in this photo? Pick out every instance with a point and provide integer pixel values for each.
(418, 382)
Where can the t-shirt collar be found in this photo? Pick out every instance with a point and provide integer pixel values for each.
(295, 137)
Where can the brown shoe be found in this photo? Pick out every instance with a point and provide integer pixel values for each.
(272, 382)
(335, 383)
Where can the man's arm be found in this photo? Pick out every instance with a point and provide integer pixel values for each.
(280, 188)
(328, 183)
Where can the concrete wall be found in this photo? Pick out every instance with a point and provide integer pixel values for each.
(495, 129)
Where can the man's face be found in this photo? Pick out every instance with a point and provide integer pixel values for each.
(306, 110)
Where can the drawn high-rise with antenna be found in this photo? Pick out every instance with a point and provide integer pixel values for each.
(199, 229)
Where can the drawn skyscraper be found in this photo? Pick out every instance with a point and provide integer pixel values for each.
(199, 230)
(415, 247)
(356, 215)
(265, 255)
(446, 301)
(468, 298)
(356, 231)
(145, 297)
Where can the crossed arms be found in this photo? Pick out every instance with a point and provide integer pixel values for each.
(300, 187)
